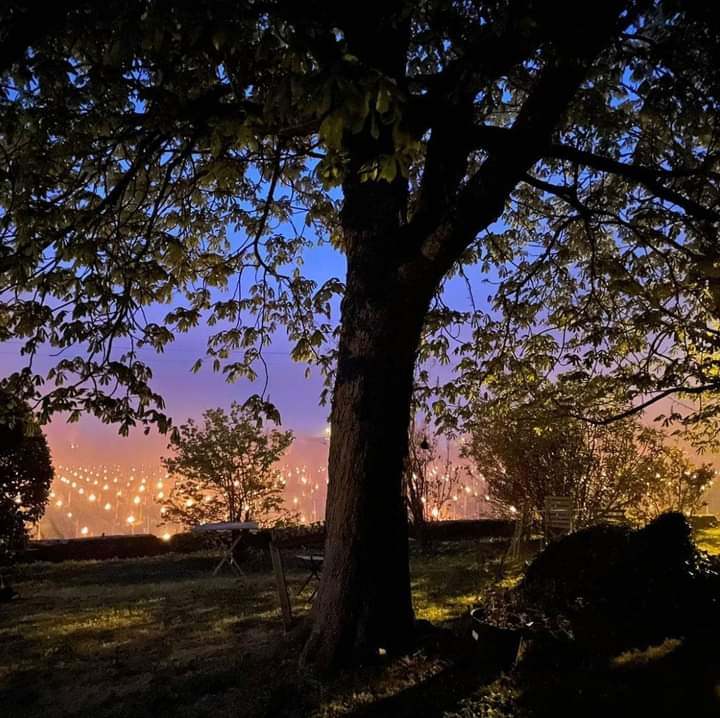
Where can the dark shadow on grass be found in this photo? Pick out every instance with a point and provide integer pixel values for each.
(187, 686)
(467, 670)
(685, 682)
(437, 695)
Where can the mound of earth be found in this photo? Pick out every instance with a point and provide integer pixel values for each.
(620, 588)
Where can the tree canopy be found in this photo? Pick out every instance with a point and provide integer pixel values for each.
(136, 134)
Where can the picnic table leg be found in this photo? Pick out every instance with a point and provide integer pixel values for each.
(219, 566)
(304, 586)
(229, 558)
(279, 571)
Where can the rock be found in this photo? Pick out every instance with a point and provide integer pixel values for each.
(621, 588)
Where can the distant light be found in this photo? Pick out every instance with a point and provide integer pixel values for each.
(108, 506)
(166, 537)
(136, 500)
(84, 530)
(131, 520)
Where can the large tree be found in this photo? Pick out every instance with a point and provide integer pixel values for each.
(134, 134)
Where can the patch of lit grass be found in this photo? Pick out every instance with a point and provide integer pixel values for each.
(446, 585)
(708, 540)
(100, 620)
(162, 636)
(647, 655)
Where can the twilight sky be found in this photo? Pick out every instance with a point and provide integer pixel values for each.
(187, 394)
(89, 442)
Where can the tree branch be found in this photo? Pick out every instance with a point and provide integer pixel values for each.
(650, 178)
(495, 139)
(482, 199)
(638, 408)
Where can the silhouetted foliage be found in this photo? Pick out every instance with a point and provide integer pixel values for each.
(525, 455)
(621, 588)
(224, 469)
(26, 472)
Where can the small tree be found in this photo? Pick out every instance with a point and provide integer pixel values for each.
(224, 469)
(431, 480)
(525, 457)
(26, 472)
(524, 461)
(679, 485)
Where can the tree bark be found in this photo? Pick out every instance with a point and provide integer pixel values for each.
(364, 601)
(394, 265)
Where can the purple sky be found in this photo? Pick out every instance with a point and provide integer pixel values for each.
(187, 394)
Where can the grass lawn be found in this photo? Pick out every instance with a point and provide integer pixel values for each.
(163, 637)
(709, 540)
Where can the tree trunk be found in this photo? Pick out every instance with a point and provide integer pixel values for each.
(364, 601)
